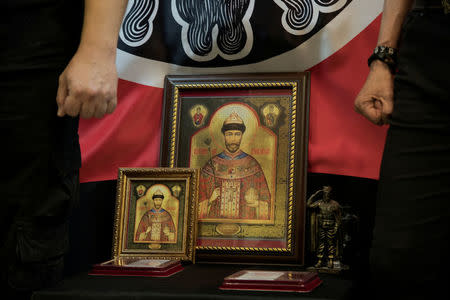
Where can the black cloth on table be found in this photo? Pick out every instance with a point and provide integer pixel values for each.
(199, 281)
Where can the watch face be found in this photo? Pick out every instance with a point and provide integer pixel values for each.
(385, 54)
(385, 50)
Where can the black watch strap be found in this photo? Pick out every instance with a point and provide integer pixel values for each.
(385, 54)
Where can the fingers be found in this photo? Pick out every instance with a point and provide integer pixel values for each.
(72, 105)
(386, 112)
(101, 109)
(377, 110)
(105, 104)
(86, 103)
(369, 108)
(87, 110)
(61, 95)
(111, 105)
(94, 108)
(375, 100)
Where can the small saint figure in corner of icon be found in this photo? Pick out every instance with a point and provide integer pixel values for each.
(198, 114)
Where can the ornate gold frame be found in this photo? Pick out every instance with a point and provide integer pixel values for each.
(298, 84)
(129, 176)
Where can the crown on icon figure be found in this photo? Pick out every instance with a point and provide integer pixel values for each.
(233, 118)
(233, 122)
(158, 194)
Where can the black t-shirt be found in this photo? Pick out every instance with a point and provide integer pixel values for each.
(39, 34)
(38, 38)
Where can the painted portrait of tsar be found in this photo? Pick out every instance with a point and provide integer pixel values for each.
(232, 183)
(156, 225)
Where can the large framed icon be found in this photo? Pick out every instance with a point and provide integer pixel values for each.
(156, 211)
(247, 134)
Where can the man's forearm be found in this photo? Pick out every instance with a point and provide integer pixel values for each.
(375, 101)
(394, 13)
(102, 19)
(88, 85)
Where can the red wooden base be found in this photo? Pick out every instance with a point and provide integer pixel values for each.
(282, 281)
(111, 268)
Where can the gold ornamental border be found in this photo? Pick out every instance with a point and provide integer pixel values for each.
(294, 86)
(190, 229)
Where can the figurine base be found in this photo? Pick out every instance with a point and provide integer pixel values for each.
(336, 269)
(137, 267)
(276, 281)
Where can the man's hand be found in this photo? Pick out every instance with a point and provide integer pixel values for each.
(88, 85)
(375, 101)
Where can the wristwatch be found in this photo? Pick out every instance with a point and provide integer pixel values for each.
(385, 54)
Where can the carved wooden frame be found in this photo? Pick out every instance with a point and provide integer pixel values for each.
(296, 87)
(126, 203)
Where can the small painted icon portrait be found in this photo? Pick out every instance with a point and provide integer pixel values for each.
(157, 216)
(271, 113)
(140, 190)
(198, 115)
(176, 189)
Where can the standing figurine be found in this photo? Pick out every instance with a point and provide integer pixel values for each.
(329, 221)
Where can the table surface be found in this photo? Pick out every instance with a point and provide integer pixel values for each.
(199, 281)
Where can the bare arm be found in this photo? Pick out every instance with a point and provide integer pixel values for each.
(375, 100)
(394, 13)
(88, 85)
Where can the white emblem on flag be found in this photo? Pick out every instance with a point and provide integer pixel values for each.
(215, 27)
(137, 25)
(300, 16)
